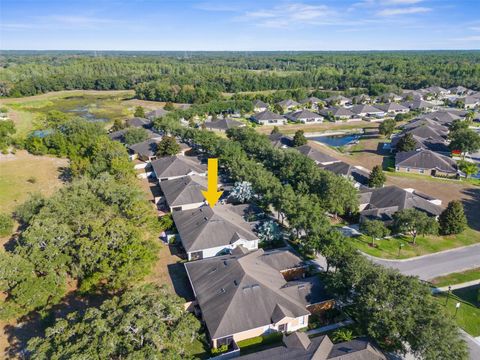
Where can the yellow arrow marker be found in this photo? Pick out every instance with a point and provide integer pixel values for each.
(212, 194)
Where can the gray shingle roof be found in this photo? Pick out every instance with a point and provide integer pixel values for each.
(139, 122)
(280, 140)
(260, 104)
(267, 115)
(156, 113)
(417, 104)
(426, 159)
(183, 191)
(206, 228)
(342, 168)
(303, 114)
(384, 202)
(365, 108)
(311, 100)
(288, 103)
(299, 346)
(178, 165)
(444, 117)
(146, 148)
(240, 292)
(315, 155)
(337, 111)
(223, 124)
(392, 106)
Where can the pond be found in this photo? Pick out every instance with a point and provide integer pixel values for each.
(336, 140)
(84, 112)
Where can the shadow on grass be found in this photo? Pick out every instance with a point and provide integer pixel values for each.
(471, 206)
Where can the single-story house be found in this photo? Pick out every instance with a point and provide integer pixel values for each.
(259, 106)
(434, 126)
(366, 110)
(410, 95)
(268, 118)
(313, 102)
(444, 117)
(205, 232)
(304, 116)
(470, 102)
(300, 347)
(139, 122)
(392, 108)
(280, 141)
(389, 97)
(339, 114)
(338, 100)
(419, 104)
(158, 113)
(223, 125)
(184, 193)
(244, 295)
(119, 135)
(174, 167)
(437, 91)
(382, 203)
(361, 99)
(434, 144)
(145, 150)
(358, 174)
(425, 162)
(288, 104)
(316, 155)
(459, 90)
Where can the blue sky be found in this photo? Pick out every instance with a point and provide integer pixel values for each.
(239, 25)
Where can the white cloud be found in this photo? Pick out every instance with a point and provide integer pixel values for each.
(401, 2)
(403, 11)
(292, 14)
(469, 38)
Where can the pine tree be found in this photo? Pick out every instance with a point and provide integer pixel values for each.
(406, 143)
(452, 220)
(139, 112)
(377, 177)
(299, 138)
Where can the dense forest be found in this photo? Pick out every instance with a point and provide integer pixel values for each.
(204, 76)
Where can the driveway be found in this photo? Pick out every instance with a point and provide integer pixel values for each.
(430, 266)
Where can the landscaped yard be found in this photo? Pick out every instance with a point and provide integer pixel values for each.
(468, 315)
(457, 278)
(390, 248)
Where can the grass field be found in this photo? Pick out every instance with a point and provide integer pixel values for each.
(292, 128)
(457, 278)
(389, 248)
(468, 315)
(22, 173)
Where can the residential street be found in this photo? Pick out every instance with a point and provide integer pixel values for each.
(430, 266)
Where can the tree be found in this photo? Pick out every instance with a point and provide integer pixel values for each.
(168, 146)
(467, 167)
(374, 228)
(275, 130)
(7, 129)
(169, 106)
(242, 192)
(118, 125)
(139, 112)
(342, 335)
(452, 220)
(146, 322)
(465, 140)
(135, 135)
(377, 177)
(387, 127)
(268, 231)
(6, 225)
(299, 138)
(414, 222)
(459, 124)
(278, 109)
(406, 143)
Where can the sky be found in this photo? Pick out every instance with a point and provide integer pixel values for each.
(248, 25)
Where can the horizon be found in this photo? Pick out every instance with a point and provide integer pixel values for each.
(212, 25)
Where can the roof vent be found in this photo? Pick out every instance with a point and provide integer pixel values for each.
(255, 287)
(213, 270)
(222, 291)
(235, 282)
(225, 262)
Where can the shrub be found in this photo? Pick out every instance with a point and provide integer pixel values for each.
(6, 225)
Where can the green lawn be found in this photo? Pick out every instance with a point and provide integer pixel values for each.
(259, 343)
(389, 248)
(393, 173)
(468, 315)
(457, 278)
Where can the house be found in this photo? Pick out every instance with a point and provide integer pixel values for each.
(425, 162)
(459, 90)
(419, 104)
(392, 108)
(469, 102)
(427, 134)
(304, 116)
(145, 150)
(280, 141)
(244, 295)
(339, 114)
(361, 99)
(316, 155)
(299, 346)
(365, 110)
(433, 144)
(223, 125)
(389, 98)
(410, 95)
(268, 118)
(173, 167)
(139, 122)
(184, 193)
(119, 135)
(259, 106)
(338, 100)
(424, 129)
(444, 117)
(358, 174)
(158, 113)
(288, 104)
(382, 203)
(436, 91)
(313, 102)
(207, 232)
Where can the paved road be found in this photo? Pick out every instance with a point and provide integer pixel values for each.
(430, 266)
